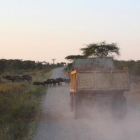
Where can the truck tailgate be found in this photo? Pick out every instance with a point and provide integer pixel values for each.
(103, 80)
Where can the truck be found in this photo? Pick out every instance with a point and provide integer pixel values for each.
(96, 82)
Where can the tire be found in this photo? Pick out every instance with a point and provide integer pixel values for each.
(71, 102)
(73, 106)
(77, 108)
(120, 106)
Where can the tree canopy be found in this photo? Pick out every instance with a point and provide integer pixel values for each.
(101, 49)
(72, 57)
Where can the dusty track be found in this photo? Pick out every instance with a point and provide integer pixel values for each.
(58, 123)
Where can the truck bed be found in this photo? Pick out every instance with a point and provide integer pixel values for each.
(101, 80)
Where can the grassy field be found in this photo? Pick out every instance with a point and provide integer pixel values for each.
(20, 107)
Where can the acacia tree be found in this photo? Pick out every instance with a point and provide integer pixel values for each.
(101, 49)
(73, 57)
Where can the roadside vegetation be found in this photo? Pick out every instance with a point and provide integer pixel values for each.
(20, 102)
(133, 66)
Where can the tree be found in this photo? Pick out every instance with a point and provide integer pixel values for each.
(16, 64)
(63, 63)
(101, 49)
(28, 64)
(2, 65)
(73, 57)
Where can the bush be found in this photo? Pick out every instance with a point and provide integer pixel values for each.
(19, 105)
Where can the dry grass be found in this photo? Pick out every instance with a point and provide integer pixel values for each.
(20, 107)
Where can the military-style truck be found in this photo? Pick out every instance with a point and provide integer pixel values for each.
(95, 81)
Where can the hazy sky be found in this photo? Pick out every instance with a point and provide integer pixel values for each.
(44, 29)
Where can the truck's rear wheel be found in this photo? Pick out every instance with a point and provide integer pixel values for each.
(120, 106)
(78, 108)
(80, 105)
(76, 112)
(75, 106)
(72, 102)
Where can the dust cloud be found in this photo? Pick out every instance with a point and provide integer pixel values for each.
(98, 124)
(105, 126)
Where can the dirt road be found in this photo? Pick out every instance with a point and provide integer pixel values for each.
(58, 123)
